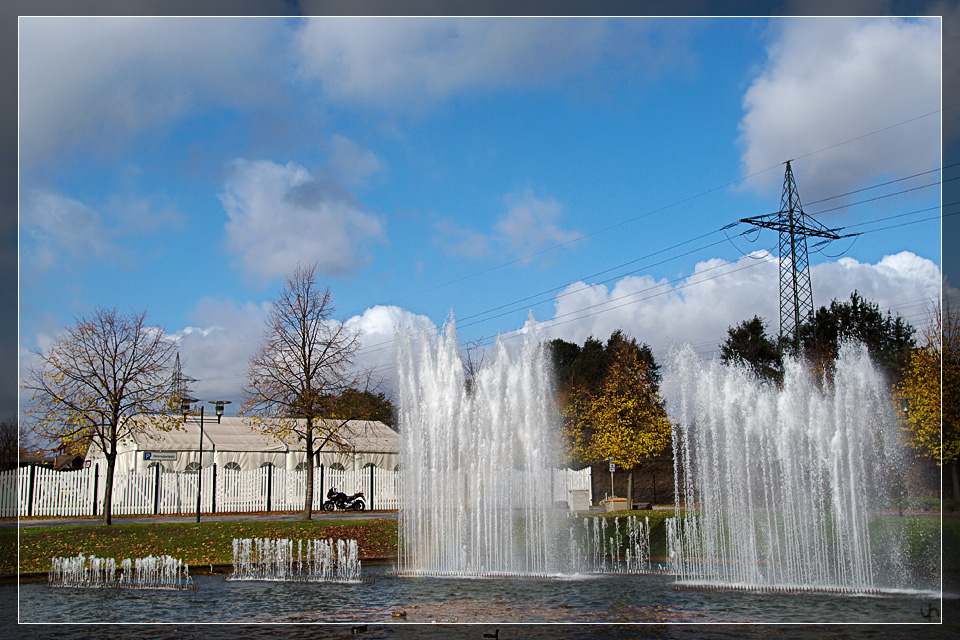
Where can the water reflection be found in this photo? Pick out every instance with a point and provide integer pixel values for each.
(394, 601)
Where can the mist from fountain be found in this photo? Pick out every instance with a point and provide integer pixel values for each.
(476, 482)
(786, 488)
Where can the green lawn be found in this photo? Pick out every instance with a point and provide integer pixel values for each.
(211, 542)
(196, 544)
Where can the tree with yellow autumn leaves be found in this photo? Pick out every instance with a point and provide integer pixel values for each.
(929, 389)
(623, 419)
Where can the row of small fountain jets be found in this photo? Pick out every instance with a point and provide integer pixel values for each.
(606, 548)
(152, 572)
(253, 559)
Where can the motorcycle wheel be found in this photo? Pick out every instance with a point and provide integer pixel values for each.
(358, 506)
(329, 505)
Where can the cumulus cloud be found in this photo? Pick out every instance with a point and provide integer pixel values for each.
(719, 294)
(378, 326)
(351, 161)
(402, 62)
(460, 242)
(529, 226)
(63, 229)
(281, 215)
(829, 80)
(217, 346)
(102, 78)
(382, 60)
(62, 232)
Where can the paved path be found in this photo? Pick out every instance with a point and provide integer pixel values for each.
(236, 517)
(233, 517)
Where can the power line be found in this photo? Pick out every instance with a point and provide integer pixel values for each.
(884, 184)
(549, 324)
(381, 346)
(460, 323)
(374, 348)
(872, 133)
(676, 203)
(484, 341)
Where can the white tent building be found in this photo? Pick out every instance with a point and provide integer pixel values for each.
(234, 443)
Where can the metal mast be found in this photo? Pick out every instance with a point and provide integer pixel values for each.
(794, 226)
(179, 383)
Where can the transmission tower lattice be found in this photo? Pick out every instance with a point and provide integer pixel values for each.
(794, 226)
(179, 383)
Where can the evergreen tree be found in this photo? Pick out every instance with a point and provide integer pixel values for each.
(888, 339)
(749, 344)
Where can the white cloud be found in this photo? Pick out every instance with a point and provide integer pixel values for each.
(529, 225)
(351, 161)
(383, 60)
(699, 309)
(412, 62)
(217, 350)
(828, 80)
(460, 242)
(63, 230)
(527, 228)
(95, 79)
(379, 325)
(281, 215)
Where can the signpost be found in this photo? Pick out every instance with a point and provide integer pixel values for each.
(613, 468)
(160, 456)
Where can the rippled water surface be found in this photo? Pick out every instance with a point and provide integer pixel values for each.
(586, 599)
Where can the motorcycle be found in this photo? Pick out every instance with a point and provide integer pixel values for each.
(339, 500)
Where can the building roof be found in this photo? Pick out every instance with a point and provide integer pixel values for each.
(241, 434)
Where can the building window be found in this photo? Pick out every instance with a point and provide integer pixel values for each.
(396, 467)
(232, 466)
(192, 467)
(156, 464)
(266, 464)
(336, 466)
(302, 466)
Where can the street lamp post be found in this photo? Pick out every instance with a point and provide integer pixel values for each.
(185, 408)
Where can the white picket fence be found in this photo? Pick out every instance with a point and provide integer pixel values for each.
(37, 491)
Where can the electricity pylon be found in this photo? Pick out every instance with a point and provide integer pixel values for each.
(179, 383)
(794, 226)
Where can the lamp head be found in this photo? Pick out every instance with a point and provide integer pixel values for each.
(219, 404)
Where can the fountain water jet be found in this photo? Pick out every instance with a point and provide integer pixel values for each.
(476, 463)
(786, 489)
(282, 560)
(92, 572)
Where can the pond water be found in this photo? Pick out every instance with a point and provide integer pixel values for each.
(606, 598)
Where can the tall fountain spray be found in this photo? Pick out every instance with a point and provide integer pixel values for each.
(476, 463)
(785, 488)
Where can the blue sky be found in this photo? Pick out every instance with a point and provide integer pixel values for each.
(577, 168)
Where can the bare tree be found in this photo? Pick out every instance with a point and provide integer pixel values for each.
(9, 444)
(97, 380)
(472, 363)
(304, 363)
